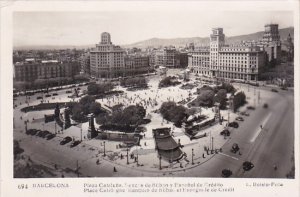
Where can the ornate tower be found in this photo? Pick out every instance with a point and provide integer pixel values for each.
(217, 40)
(290, 47)
(105, 38)
(67, 118)
(272, 44)
(56, 112)
(91, 131)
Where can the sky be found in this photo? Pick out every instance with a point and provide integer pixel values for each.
(84, 28)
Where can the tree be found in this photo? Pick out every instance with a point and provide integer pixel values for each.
(205, 98)
(123, 119)
(86, 100)
(165, 108)
(203, 88)
(77, 112)
(95, 89)
(239, 99)
(95, 108)
(221, 98)
(92, 89)
(227, 86)
(85, 106)
(168, 81)
(173, 112)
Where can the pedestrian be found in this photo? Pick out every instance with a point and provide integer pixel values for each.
(261, 126)
(115, 170)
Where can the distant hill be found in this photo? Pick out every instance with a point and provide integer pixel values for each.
(177, 42)
(157, 42)
(52, 47)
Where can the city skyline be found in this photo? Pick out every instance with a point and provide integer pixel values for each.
(82, 28)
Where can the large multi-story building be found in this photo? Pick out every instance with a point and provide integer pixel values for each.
(31, 70)
(271, 43)
(111, 61)
(106, 59)
(198, 60)
(290, 48)
(169, 57)
(228, 62)
(85, 62)
(136, 64)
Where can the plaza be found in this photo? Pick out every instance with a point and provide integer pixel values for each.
(98, 157)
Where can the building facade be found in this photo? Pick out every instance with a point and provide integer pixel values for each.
(106, 59)
(85, 63)
(29, 71)
(169, 57)
(136, 64)
(271, 43)
(111, 61)
(227, 62)
(198, 60)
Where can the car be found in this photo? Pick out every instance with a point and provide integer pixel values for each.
(39, 133)
(251, 107)
(233, 124)
(39, 97)
(274, 90)
(66, 140)
(226, 173)
(47, 95)
(245, 114)
(29, 93)
(69, 91)
(75, 143)
(54, 94)
(225, 132)
(239, 118)
(265, 105)
(247, 165)
(235, 148)
(284, 88)
(31, 131)
(50, 136)
(44, 134)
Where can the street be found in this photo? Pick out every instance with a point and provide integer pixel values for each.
(263, 147)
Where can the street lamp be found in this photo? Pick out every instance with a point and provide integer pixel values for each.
(160, 162)
(77, 168)
(192, 156)
(104, 149)
(137, 158)
(25, 122)
(127, 156)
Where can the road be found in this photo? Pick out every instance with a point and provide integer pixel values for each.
(263, 147)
